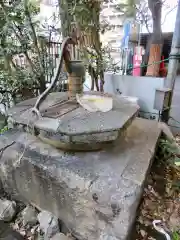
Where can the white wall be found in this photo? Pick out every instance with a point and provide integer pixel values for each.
(144, 89)
(141, 87)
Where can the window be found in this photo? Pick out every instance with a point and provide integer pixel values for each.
(112, 41)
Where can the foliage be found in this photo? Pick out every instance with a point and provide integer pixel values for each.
(137, 11)
(128, 8)
(84, 15)
(170, 151)
(20, 42)
(3, 130)
(175, 236)
(161, 198)
(87, 17)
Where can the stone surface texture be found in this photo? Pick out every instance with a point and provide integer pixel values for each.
(7, 210)
(66, 124)
(61, 236)
(48, 224)
(29, 216)
(96, 194)
(9, 234)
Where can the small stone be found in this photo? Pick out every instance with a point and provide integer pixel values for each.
(48, 223)
(30, 238)
(7, 210)
(23, 233)
(15, 226)
(29, 216)
(143, 233)
(34, 230)
(60, 236)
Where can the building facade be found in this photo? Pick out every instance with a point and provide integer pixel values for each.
(114, 32)
(110, 16)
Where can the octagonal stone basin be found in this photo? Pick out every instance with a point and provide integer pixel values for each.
(66, 123)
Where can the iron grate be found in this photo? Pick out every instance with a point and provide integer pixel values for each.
(60, 109)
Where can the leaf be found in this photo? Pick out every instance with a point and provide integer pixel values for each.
(175, 236)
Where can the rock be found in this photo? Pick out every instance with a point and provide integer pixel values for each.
(7, 210)
(29, 215)
(48, 223)
(61, 236)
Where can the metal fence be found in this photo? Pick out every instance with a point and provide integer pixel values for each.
(51, 59)
(51, 54)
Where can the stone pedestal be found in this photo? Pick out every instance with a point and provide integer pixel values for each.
(95, 194)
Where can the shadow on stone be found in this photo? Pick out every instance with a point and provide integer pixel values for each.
(7, 233)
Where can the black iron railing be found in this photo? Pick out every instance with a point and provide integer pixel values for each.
(51, 59)
(51, 54)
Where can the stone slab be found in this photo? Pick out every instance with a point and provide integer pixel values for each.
(21, 112)
(78, 121)
(96, 194)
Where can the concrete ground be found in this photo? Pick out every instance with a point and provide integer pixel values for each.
(96, 194)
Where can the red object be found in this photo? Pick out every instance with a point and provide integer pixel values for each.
(162, 65)
(162, 69)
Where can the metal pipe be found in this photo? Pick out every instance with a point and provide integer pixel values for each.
(42, 97)
(169, 81)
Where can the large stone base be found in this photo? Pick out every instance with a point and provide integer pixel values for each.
(95, 194)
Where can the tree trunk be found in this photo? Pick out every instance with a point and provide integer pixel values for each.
(88, 32)
(155, 7)
(42, 84)
(65, 8)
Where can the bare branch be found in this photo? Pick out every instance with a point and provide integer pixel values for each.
(35, 40)
(167, 14)
(144, 19)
